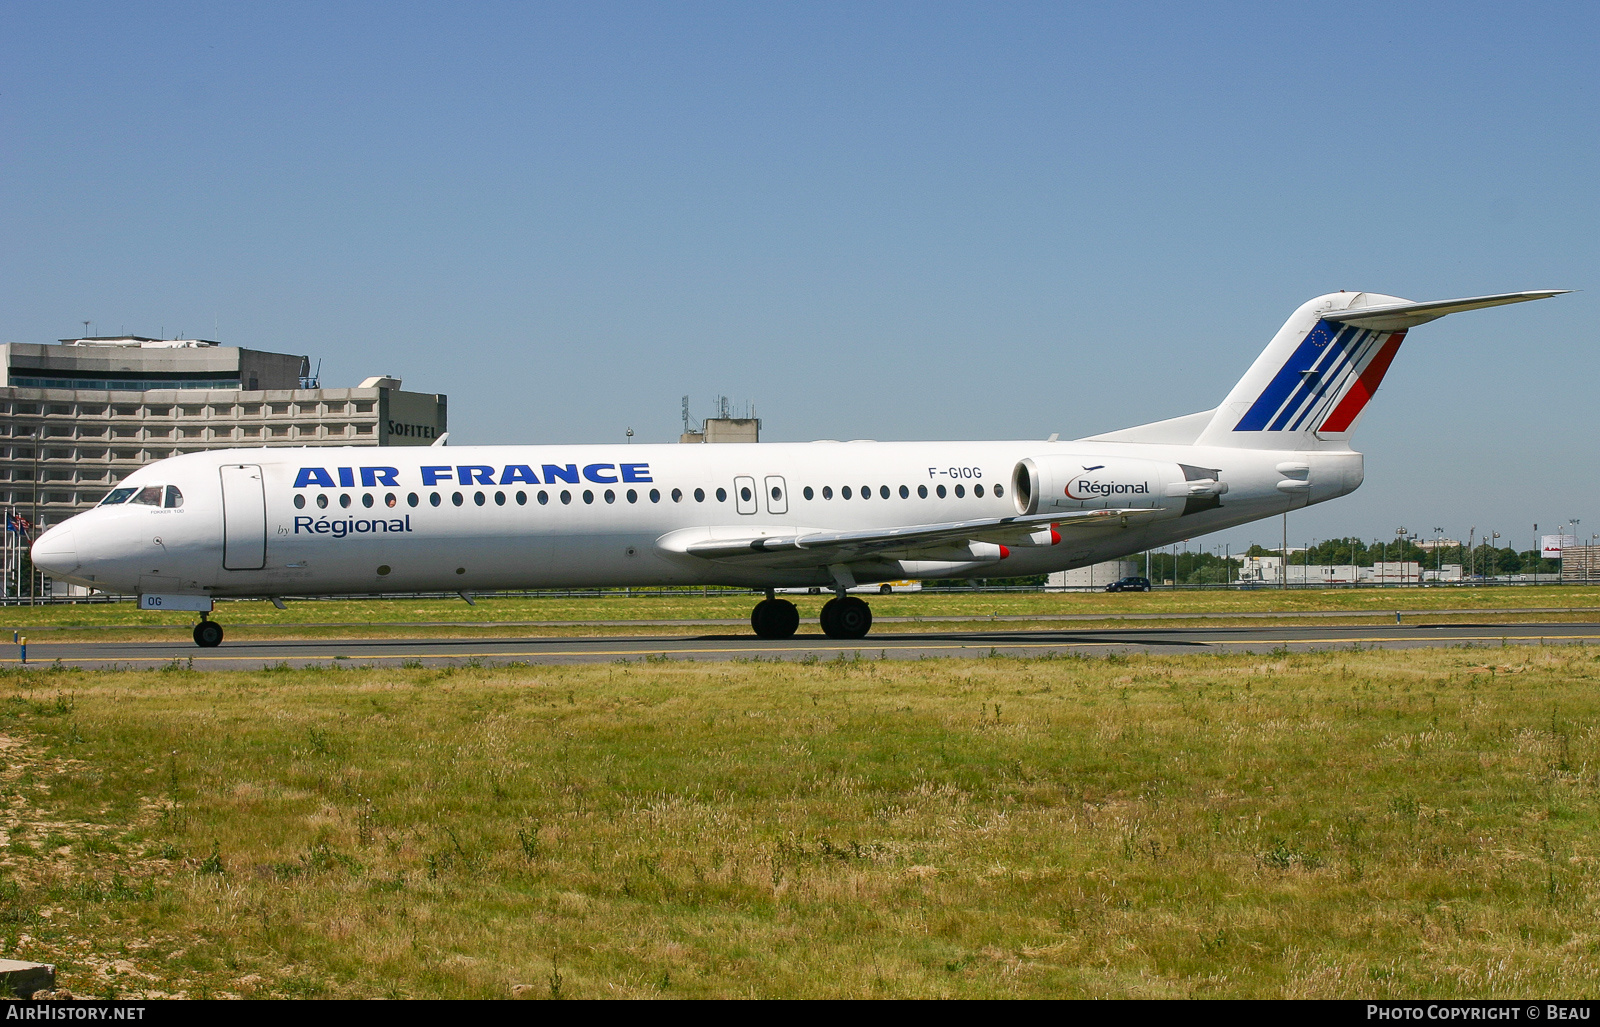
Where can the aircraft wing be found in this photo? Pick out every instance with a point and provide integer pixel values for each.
(825, 547)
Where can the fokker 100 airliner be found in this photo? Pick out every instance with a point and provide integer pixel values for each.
(276, 523)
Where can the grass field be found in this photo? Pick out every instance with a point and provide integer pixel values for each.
(372, 618)
(1327, 824)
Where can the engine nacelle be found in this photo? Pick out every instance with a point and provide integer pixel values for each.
(1042, 484)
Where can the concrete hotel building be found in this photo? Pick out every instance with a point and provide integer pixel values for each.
(77, 417)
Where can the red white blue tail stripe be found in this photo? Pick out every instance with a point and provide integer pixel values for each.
(1326, 382)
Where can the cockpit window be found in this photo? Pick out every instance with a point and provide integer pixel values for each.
(150, 495)
(174, 497)
(117, 496)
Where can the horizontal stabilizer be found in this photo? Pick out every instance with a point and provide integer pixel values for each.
(1393, 317)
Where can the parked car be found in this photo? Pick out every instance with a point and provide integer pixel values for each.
(1129, 585)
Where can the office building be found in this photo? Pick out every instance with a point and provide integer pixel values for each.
(77, 417)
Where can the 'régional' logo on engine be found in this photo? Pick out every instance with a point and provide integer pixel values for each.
(1088, 488)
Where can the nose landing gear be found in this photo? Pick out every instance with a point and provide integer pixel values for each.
(208, 633)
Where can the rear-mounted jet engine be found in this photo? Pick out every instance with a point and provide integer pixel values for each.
(1049, 483)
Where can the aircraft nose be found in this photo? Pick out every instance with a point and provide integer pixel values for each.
(56, 552)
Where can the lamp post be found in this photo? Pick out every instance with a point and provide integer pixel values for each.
(33, 575)
(1283, 556)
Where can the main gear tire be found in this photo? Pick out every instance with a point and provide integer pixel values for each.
(774, 618)
(848, 617)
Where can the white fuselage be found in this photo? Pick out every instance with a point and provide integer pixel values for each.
(396, 520)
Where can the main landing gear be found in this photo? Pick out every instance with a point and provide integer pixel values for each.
(208, 633)
(844, 617)
(774, 618)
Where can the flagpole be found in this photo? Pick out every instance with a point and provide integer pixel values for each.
(13, 562)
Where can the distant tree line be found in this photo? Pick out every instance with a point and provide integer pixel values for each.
(1482, 559)
(1192, 567)
(1200, 567)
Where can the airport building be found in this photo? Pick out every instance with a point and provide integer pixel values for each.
(1095, 576)
(79, 416)
(1580, 563)
(1269, 570)
(725, 429)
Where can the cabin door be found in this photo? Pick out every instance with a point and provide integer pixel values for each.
(244, 518)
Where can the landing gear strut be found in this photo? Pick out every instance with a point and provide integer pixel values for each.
(846, 617)
(208, 633)
(774, 618)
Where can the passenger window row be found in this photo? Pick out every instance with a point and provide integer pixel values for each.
(390, 499)
(905, 492)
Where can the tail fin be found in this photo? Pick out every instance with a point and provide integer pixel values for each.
(1311, 383)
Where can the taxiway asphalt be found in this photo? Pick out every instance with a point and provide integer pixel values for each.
(255, 655)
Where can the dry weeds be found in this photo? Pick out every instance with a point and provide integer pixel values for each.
(1323, 825)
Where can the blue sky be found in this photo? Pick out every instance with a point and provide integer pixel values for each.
(892, 221)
